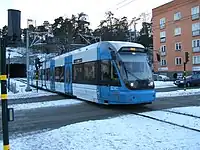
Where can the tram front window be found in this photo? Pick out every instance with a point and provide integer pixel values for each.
(134, 68)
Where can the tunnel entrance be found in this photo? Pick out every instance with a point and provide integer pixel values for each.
(17, 70)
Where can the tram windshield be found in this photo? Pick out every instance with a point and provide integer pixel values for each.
(134, 67)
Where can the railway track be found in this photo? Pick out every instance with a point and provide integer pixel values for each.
(167, 121)
(180, 113)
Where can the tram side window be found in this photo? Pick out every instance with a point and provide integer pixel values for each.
(59, 74)
(48, 74)
(62, 74)
(109, 74)
(34, 74)
(41, 73)
(105, 70)
(45, 74)
(78, 73)
(90, 72)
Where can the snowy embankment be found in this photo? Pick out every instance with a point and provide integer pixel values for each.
(124, 133)
(175, 93)
(21, 87)
(164, 84)
(178, 93)
(56, 103)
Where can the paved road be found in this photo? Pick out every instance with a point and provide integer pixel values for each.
(27, 121)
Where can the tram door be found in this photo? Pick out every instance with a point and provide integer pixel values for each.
(52, 75)
(109, 81)
(68, 75)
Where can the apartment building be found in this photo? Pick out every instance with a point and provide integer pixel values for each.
(176, 29)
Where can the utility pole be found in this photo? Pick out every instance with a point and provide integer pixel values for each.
(7, 113)
(27, 56)
(133, 21)
(4, 102)
(187, 56)
(9, 70)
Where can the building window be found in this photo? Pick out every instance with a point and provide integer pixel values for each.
(178, 46)
(162, 23)
(177, 31)
(163, 62)
(178, 61)
(195, 12)
(196, 45)
(162, 36)
(177, 16)
(196, 60)
(163, 50)
(196, 29)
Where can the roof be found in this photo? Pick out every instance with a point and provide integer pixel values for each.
(119, 44)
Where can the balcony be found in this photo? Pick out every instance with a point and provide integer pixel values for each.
(163, 40)
(196, 49)
(195, 16)
(196, 33)
(163, 53)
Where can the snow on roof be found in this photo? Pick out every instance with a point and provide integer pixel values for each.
(119, 44)
(13, 54)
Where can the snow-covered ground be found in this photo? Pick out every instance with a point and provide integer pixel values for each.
(23, 94)
(63, 102)
(164, 84)
(178, 93)
(128, 132)
(123, 132)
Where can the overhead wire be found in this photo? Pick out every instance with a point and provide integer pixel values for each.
(121, 2)
(125, 4)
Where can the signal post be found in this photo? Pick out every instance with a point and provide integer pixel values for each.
(12, 39)
(187, 56)
(4, 102)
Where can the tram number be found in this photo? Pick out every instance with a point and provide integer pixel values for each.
(114, 88)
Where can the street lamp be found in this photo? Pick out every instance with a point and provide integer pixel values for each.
(27, 56)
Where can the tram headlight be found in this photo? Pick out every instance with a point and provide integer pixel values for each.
(151, 84)
(132, 84)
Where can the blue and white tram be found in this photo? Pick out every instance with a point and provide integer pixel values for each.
(108, 72)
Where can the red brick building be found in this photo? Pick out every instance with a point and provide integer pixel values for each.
(176, 29)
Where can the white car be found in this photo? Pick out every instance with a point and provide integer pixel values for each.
(163, 78)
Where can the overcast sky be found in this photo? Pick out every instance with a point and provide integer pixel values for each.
(41, 10)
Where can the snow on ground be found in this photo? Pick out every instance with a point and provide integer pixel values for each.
(164, 84)
(23, 94)
(188, 110)
(178, 93)
(128, 132)
(175, 118)
(56, 103)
